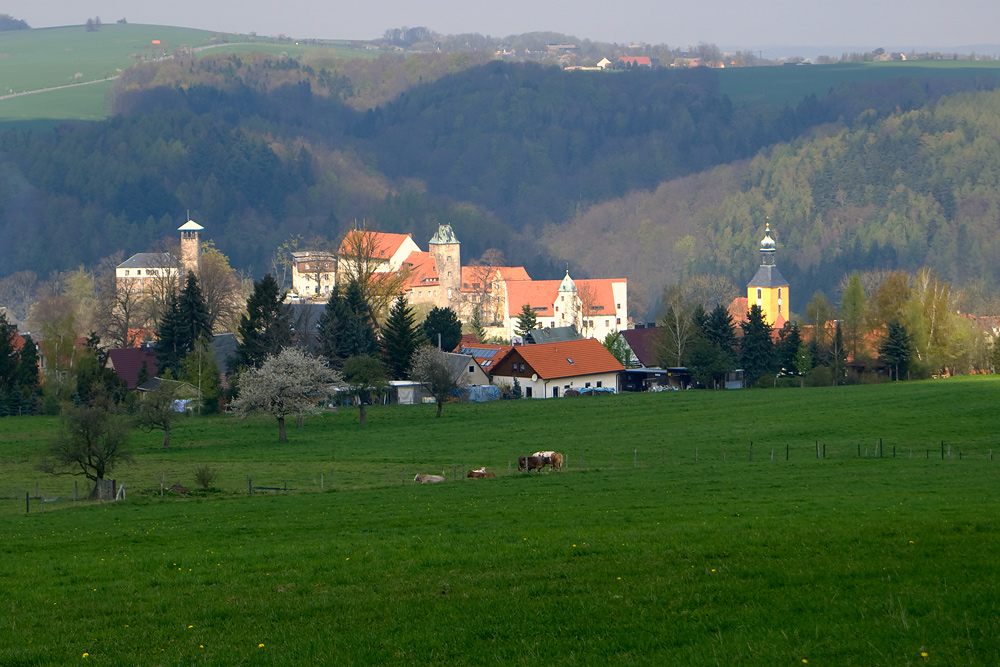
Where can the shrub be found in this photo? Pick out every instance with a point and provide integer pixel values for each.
(205, 476)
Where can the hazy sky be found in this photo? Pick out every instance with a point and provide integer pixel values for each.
(892, 24)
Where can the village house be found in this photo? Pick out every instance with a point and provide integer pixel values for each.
(551, 369)
(314, 274)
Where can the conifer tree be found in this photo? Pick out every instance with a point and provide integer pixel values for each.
(757, 350)
(400, 339)
(526, 320)
(896, 347)
(476, 324)
(265, 329)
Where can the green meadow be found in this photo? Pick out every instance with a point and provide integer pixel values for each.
(661, 541)
(49, 58)
(791, 84)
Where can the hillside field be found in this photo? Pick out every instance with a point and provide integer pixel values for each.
(33, 60)
(637, 552)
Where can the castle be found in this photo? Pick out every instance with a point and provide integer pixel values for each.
(142, 271)
(437, 278)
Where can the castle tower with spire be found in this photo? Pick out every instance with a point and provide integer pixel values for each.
(446, 252)
(768, 288)
(190, 249)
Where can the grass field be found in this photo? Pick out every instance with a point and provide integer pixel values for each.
(792, 84)
(36, 60)
(654, 558)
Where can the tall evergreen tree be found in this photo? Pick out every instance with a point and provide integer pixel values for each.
(719, 329)
(896, 347)
(400, 339)
(266, 328)
(346, 327)
(26, 376)
(838, 355)
(443, 322)
(787, 349)
(8, 358)
(756, 349)
(184, 321)
(194, 312)
(331, 329)
(476, 324)
(526, 321)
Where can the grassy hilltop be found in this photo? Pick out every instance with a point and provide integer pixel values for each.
(53, 57)
(843, 560)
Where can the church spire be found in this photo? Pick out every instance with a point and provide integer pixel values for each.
(767, 247)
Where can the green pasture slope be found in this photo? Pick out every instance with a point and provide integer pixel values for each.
(49, 58)
(636, 553)
(790, 84)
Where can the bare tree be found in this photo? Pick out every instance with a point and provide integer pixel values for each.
(289, 383)
(587, 295)
(17, 292)
(361, 261)
(678, 327)
(432, 369)
(481, 290)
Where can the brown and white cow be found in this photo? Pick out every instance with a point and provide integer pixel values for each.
(555, 459)
(480, 474)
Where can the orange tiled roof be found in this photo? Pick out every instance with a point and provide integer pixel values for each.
(542, 294)
(738, 309)
(474, 276)
(386, 244)
(568, 358)
(423, 272)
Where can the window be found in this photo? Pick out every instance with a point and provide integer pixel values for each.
(619, 320)
(470, 368)
(586, 384)
(126, 272)
(527, 392)
(618, 306)
(779, 292)
(557, 309)
(758, 292)
(607, 323)
(779, 309)
(599, 383)
(555, 392)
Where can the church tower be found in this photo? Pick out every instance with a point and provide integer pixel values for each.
(568, 303)
(445, 250)
(190, 249)
(768, 288)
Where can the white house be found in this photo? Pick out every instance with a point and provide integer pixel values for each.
(550, 370)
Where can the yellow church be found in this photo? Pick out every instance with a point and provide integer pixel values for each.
(768, 288)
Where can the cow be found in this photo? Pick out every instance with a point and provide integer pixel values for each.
(428, 479)
(530, 462)
(555, 459)
(480, 474)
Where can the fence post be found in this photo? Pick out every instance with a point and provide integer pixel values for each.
(696, 454)
(249, 485)
(635, 458)
(894, 451)
(772, 453)
(27, 502)
(751, 450)
(723, 456)
(859, 450)
(824, 450)
(581, 461)
(321, 482)
(942, 450)
(786, 451)
(817, 449)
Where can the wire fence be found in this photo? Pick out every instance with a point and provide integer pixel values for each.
(179, 482)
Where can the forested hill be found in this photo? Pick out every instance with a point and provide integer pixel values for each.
(260, 149)
(918, 188)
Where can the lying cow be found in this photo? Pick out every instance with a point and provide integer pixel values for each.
(555, 459)
(428, 479)
(480, 474)
(531, 463)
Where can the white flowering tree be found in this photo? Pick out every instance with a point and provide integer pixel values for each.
(288, 383)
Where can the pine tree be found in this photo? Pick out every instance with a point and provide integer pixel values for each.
(445, 322)
(476, 324)
(8, 359)
(26, 376)
(526, 320)
(331, 329)
(896, 347)
(194, 312)
(757, 350)
(359, 328)
(787, 349)
(400, 339)
(265, 329)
